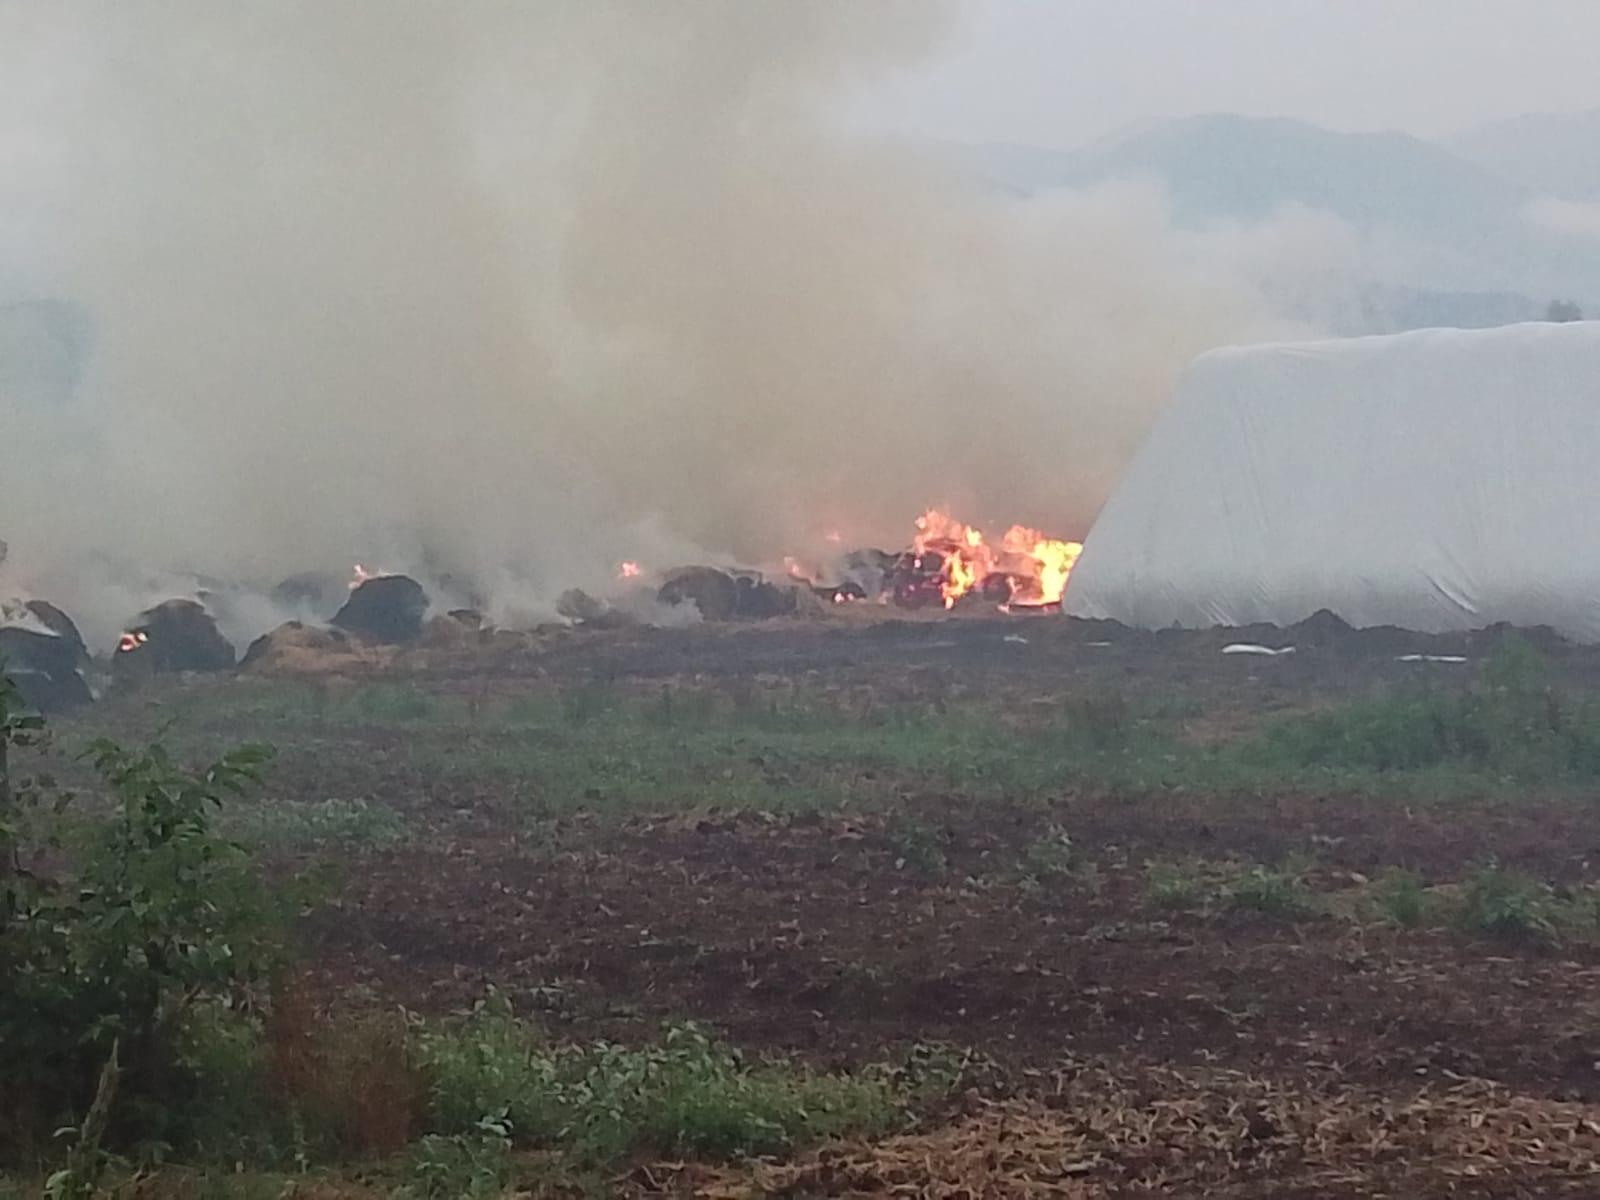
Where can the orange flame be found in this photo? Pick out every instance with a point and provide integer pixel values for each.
(629, 570)
(129, 642)
(360, 575)
(1033, 568)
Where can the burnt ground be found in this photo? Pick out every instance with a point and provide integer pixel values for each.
(1319, 1051)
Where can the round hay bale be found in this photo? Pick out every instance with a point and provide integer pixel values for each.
(385, 608)
(175, 635)
(296, 647)
(715, 593)
(44, 655)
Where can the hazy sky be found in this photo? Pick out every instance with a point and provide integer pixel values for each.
(1062, 72)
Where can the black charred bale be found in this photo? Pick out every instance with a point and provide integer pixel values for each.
(713, 592)
(44, 655)
(387, 608)
(176, 635)
(758, 600)
(729, 596)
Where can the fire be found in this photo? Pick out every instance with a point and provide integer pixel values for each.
(1052, 561)
(129, 642)
(629, 570)
(360, 575)
(1027, 568)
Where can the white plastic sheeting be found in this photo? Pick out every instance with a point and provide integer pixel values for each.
(1437, 480)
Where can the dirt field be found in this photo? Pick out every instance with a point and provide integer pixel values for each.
(1163, 969)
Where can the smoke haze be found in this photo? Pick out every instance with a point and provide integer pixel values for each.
(515, 292)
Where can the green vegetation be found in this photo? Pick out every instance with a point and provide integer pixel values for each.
(134, 1019)
(1175, 885)
(1277, 893)
(600, 745)
(1510, 724)
(146, 1014)
(1401, 899)
(686, 1096)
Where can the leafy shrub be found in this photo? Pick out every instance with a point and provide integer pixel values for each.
(463, 1166)
(160, 914)
(1509, 906)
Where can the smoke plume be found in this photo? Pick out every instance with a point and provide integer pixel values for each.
(512, 292)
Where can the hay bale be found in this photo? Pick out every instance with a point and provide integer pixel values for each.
(458, 627)
(713, 592)
(175, 635)
(757, 599)
(296, 647)
(44, 655)
(385, 608)
(579, 607)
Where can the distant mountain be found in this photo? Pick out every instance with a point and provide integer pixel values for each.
(1447, 240)
(1554, 153)
(1228, 167)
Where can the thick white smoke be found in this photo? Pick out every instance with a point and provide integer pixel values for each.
(513, 291)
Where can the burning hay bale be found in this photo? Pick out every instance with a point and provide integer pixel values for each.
(44, 654)
(727, 596)
(176, 635)
(384, 608)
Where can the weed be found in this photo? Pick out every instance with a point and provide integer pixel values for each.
(1401, 898)
(688, 1095)
(463, 1166)
(917, 847)
(1174, 885)
(1508, 906)
(1280, 894)
(1051, 855)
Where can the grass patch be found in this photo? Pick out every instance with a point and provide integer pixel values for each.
(686, 1096)
(1401, 899)
(1278, 893)
(1176, 885)
(1509, 724)
(282, 824)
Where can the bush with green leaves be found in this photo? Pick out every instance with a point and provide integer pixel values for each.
(1509, 906)
(115, 945)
